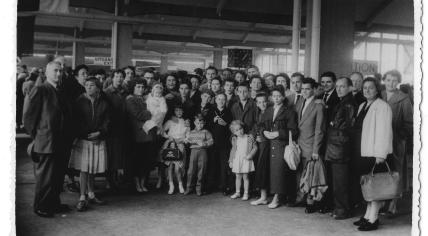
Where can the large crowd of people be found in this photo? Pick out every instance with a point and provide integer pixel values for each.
(214, 131)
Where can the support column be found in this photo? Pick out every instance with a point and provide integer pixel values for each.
(164, 63)
(218, 58)
(337, 36)
(315, 39)
(296, 36)
(308, 38)
(121, 45)
(78, 51)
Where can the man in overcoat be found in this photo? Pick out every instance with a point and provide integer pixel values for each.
(338, 148)
(45, 121)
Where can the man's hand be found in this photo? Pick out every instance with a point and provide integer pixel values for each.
(315, 156)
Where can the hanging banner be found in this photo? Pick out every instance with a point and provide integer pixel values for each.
(365, 67)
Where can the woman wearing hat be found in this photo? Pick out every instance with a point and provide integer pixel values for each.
(89, 153)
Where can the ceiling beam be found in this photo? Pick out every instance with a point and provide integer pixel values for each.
(372, 16)
(182, 24)
(87, 33)
(384, 28)
(243, 15)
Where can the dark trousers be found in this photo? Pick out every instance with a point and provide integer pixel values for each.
(197, 166)
(337, 196)
(49, 173)
(226, 175)
(214, 166)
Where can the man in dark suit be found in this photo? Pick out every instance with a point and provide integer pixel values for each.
(357, 84)
(330, 98)
(312, 127)
(245, 109)
(295, 100)
(45, 120)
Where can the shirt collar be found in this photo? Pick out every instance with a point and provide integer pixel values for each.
(54, 85)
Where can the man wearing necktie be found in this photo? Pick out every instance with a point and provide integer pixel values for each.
(44, 120)
(295, 99)
(312, 127)
(330, 98)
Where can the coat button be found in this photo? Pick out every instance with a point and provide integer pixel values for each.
(273, 147)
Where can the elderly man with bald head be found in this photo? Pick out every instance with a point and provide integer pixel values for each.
(45, 120)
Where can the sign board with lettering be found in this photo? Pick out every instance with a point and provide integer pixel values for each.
(103, 61)
(365, 67)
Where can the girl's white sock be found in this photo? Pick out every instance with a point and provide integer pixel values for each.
(91, 194)
(82, 198)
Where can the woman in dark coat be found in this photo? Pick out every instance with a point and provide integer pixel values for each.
(116, 141)
(402, 126)
(278, 120)
(262, 164)
(89, 154)
(143, 150)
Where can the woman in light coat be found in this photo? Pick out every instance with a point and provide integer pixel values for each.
(374, 121)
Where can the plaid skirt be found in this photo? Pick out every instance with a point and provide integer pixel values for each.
(89, 156)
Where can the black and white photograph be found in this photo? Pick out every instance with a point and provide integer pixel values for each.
(214, 117)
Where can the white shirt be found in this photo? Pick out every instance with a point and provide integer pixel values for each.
(275, 111)
(243, 104)
(54, 85)
(329, 94)
(307, 101)
(296, 97)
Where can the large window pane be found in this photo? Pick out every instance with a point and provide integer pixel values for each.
(359, 51)
(373, 51)
(389, 56)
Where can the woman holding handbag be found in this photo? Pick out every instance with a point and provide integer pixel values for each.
(278, 120)
(374, 121)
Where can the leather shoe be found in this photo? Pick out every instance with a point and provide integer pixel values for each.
(62, 208)
(361, 221)
(369, 226)
(45, 214)
(310, 208)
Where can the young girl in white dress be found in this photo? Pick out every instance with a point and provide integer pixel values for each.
(244, 148)
(175, 130)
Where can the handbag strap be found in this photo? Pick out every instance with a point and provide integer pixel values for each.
(387, 166)
(290, 140)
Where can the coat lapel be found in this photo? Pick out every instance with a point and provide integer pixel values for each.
(280, 111)
(308, 110)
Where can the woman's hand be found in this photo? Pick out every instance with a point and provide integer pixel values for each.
(379, 160)
(230, 165)
(169, 96)
(221, 122)
(248, 157)
(259, 138)
(94, 135)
